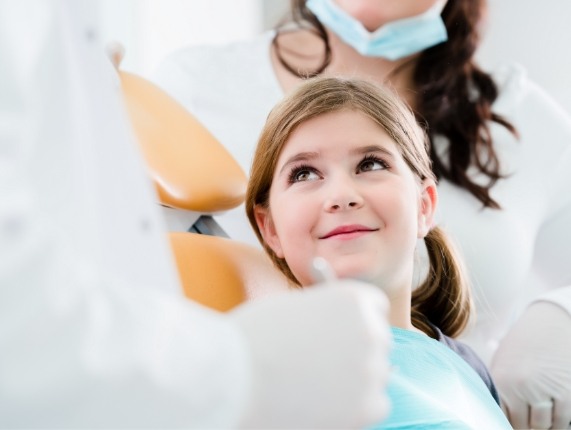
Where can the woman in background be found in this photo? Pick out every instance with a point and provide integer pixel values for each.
(496, 141)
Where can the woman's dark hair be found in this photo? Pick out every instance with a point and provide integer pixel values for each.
(454, 96)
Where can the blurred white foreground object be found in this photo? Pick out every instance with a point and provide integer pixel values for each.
(94, 329)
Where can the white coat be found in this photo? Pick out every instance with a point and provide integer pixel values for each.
(80, 345)
(94, 329)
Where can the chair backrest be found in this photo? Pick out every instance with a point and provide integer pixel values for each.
(193, 172)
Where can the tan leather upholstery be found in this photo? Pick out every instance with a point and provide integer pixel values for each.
(190, 168)
(222, 273)
(194, 172)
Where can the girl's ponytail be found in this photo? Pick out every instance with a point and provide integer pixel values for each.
(444, 298)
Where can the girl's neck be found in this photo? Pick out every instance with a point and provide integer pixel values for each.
(304, 50)
(399, 310)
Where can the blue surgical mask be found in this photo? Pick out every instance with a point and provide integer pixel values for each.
(394, 40)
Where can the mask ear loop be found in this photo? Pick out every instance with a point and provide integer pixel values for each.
(326, 60)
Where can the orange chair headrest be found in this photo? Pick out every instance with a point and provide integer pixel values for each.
(190, 168)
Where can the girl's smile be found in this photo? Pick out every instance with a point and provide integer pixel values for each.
(348, 232)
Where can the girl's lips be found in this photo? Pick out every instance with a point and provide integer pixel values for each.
(348, 231)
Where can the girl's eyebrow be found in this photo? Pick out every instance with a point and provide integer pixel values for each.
(302, 156)
(373, 148)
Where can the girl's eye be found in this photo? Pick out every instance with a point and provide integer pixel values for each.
(301, 174)
(371, 163)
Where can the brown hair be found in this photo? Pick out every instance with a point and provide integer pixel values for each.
(443, 298)
(453, 95)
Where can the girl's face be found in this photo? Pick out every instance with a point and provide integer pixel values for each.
(375, 13)
(342, 191)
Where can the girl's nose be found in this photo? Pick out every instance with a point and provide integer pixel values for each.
(347, 205)
(343, 197)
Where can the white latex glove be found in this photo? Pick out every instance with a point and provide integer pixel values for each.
(319, 357)
(532, 369)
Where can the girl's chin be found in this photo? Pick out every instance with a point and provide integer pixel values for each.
(356, 273)
(359, 275)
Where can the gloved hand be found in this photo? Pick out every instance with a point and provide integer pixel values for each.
(532, 369)
(319, 357)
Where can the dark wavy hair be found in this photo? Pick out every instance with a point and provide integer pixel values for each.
(454, 96)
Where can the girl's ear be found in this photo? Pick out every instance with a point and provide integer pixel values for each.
(428, 203)
(268, 230)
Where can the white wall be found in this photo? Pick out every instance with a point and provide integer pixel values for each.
(536, 34)
(150, 29)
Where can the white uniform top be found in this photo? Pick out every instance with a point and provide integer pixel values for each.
(94, 329)
(513, 255)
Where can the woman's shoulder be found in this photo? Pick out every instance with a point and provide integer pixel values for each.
(532, 110)
(518, 94)
(223, 65)
(214, 75)
(510, 74)
(211, 56)
(513, 84)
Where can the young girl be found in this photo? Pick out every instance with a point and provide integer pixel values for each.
(341, 172)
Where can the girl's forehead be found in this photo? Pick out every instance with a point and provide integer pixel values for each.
(339, 132)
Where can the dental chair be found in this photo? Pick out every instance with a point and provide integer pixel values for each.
(194, 174)
(196, 177)
(222, 273)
